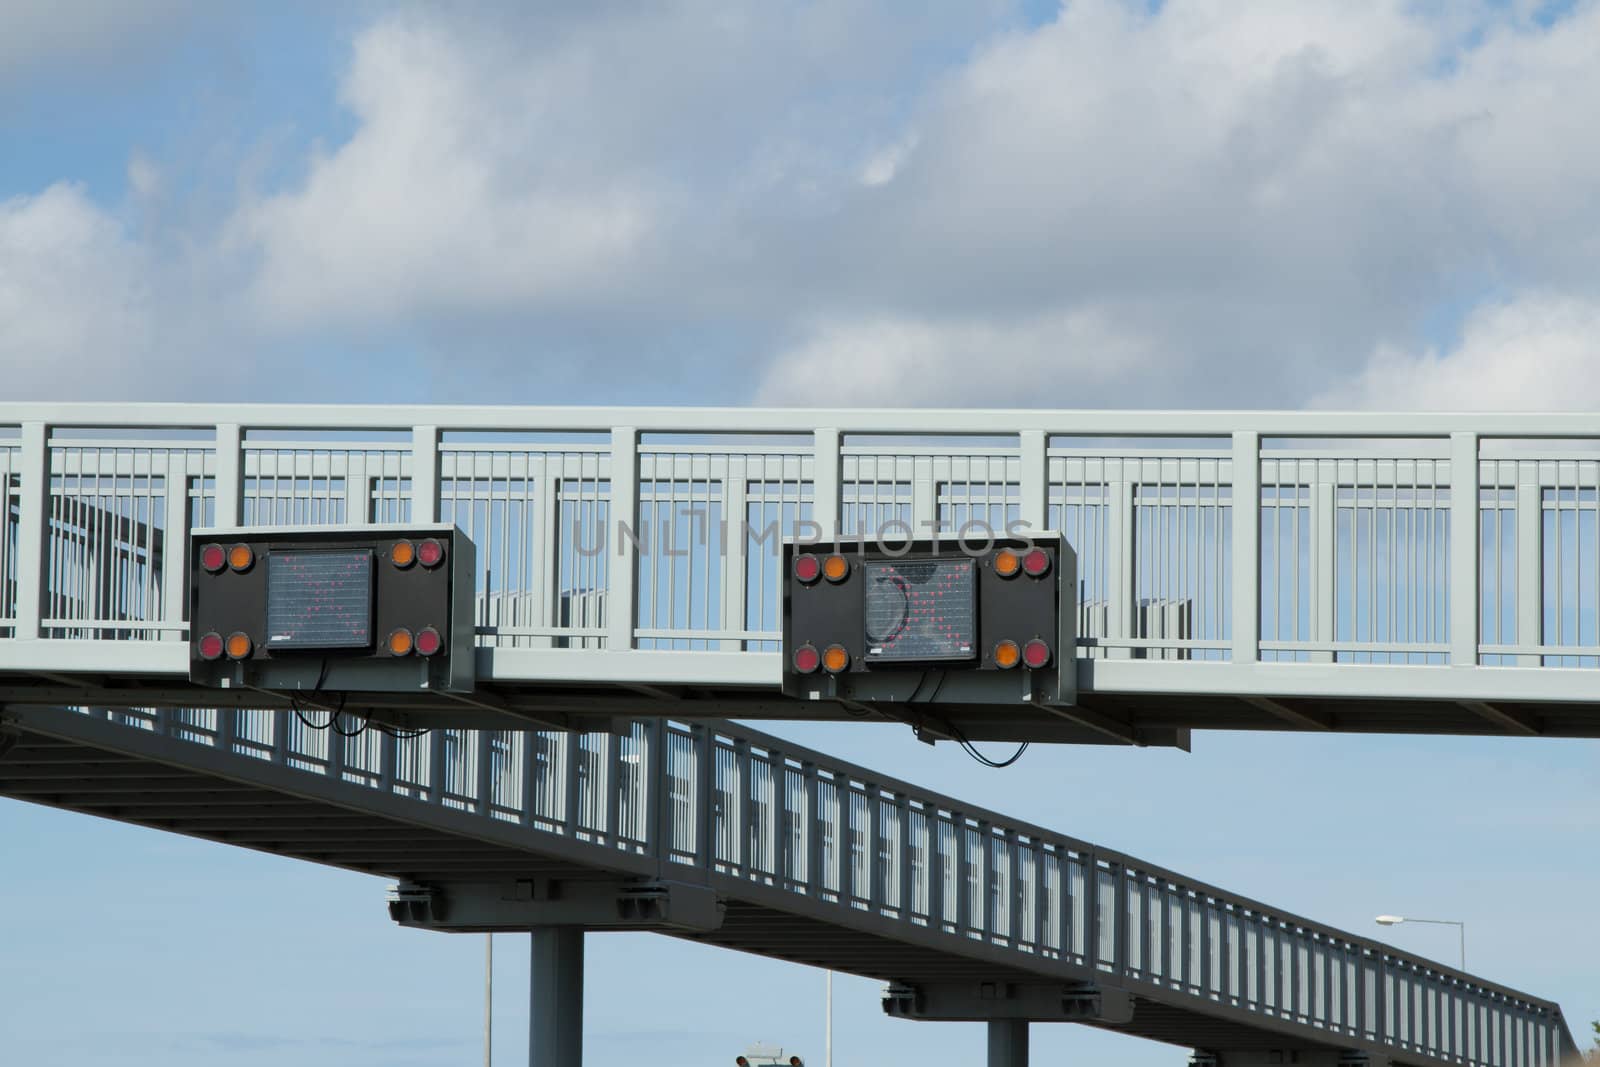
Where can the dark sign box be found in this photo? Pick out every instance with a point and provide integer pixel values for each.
(318, 604)
(920, 621)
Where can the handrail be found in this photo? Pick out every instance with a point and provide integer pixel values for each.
(745, 808)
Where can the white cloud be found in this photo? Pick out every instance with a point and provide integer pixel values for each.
(895, 362)
(454, 193)
(551, 162)
(1209, 204)
(74, 305)
(1539, 352)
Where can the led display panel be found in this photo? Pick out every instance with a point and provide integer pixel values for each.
(319, 599)
(920, 609)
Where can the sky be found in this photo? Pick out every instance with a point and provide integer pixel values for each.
(1192, 203)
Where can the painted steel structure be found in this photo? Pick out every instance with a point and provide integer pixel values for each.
(1296, 570)
(796, 856)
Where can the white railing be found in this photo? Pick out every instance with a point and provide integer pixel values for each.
(1373, 540)
(742, 808)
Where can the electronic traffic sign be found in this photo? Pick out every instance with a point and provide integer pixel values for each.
(323, 608)
(935, 620)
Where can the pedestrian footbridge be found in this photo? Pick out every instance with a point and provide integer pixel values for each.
(714, 832)
(1260, 570)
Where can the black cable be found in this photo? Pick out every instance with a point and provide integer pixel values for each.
(998, 765)
(972, 751)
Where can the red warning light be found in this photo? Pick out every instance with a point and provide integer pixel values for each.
(1036, 563)
(1036, 654)
(807, 569)
(807, 659)
(430, 553)
(428, 641)
(211, 646)
(213, 558)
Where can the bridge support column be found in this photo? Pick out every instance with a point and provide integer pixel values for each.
(1008, 1043)
(555, 1010)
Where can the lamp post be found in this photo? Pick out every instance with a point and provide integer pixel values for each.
(1461, 927)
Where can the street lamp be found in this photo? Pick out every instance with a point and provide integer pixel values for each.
(1395, 920)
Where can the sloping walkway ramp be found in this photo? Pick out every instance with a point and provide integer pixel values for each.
(720, 834)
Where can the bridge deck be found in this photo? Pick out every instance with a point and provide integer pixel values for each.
(815, 860)
(1236, 570)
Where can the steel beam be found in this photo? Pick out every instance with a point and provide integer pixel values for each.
(1008, 1043)
(536, 903)
(555, 998)
(1512, 722)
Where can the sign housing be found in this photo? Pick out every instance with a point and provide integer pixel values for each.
(332, 608)
(935, 620)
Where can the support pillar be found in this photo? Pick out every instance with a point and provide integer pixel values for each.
(555, 1010)
(1008, 1043)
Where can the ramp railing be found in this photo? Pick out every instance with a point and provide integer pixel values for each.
(739, 808)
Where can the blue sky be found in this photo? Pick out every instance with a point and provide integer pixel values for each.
(1192, 203)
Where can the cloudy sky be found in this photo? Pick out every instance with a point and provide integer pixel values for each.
(1190, 203)
(1109, 203)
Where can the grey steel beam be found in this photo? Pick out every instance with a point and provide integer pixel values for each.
(1008, 1043)
(1305, 719)
(1512, 722)
(984, 1000)
(555, 998)
(532, 903)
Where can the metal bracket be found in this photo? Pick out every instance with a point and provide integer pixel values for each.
(1077, 1002)
(1305, 1057)
(531, 903)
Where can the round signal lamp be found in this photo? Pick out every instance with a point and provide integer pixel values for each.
(400, 642)
(430, 553)
(403, 554)
(240, 557)
(807, 569)
(239, 645)
(835, 659)
(428, 641)
(1036, 654)
(211, 646)
(1007, 563)
(807, 659)
(1007, 654)
(836, 568)
(214, 558)
(1036, 563)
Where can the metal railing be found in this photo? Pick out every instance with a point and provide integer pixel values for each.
(743, 808)
(1417, 540)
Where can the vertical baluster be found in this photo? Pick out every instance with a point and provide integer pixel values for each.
(905, 891)
(482, 747)
(782, 821)
(935, 866)
(1037, 908)
(621, 603)
(612, 785)
(816, 879)
(657, 795)
(739, 816)
(963, 873)
(1246, 547)
(705, 798)
(33, 541)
